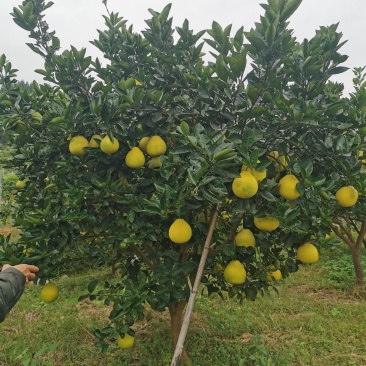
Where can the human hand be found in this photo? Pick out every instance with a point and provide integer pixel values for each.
(28, 270)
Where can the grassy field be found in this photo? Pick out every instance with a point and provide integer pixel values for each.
(316, 320)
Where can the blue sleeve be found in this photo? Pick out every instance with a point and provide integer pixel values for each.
(12, 284)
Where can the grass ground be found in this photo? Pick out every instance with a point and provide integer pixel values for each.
(315, 320)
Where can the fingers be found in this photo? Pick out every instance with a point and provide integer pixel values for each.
(31, 276)
(33, 268)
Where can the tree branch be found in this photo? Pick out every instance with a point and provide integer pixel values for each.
(142, 256)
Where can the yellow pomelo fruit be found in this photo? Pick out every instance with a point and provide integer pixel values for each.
(156, 146)
(266, 223)
(126, 342)
(327, 236)
(245, 238)
(135, 158)
(154, 163)
(280, 160)
(180, 231)
(143, 143)
(95, 141)
(77, 144)
(346, 196)
(37, 116)
(109, 147)
(257, 174)
(282, 163)
(235, 273)
(246, 186)
(307, 253)
(49, 292)
(359, 155)
(273, 155)
(20, 184)
(138, 83)
(273, 274)
(287, 187)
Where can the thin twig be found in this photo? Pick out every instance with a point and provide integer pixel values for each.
(142, 256)
(340, 235)
(361, 235)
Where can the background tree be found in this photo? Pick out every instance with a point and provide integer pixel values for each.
(282, 118)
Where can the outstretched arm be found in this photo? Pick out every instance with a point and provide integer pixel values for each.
(12, 281)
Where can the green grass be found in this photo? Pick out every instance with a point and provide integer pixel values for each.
(315, 320)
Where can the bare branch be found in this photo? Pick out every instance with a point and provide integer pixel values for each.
(142, 256)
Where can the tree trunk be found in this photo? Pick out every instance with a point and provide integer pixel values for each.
(176, 314)
(356, 259)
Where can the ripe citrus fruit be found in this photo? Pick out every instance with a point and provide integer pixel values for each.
(359, 155)
(266, 223)
(287, 187)
(245, 238)
(49, 292)
(273, 155)
(143, 143)
(282, 163)
(77, 144)
(95, 141)
(235, 273)
(154, 163)
(246, 186)
(135, 158)
(180, 231)
(109, 147)
(273, 274)
(307, 253)
(156, 146)
(126, 342)
(346, 196)
(20, 184)
(257, 174)
(37, 116)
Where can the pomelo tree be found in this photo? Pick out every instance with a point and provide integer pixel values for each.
(128, 161)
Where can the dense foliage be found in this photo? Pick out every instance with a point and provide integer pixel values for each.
(214, 117)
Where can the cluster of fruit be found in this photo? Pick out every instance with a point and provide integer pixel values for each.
(246, 186)
(154, 146)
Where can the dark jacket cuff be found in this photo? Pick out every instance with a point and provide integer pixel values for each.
(12, 284)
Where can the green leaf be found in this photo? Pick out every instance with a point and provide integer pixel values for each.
(92, 286)
(268, 196)
(2, 61)
(35, 49)
(217, 32)
(248, 138)
(289, 9)
(239, 39)
(337, 70)
(221, 68)
(210, 197)
(181, 150)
